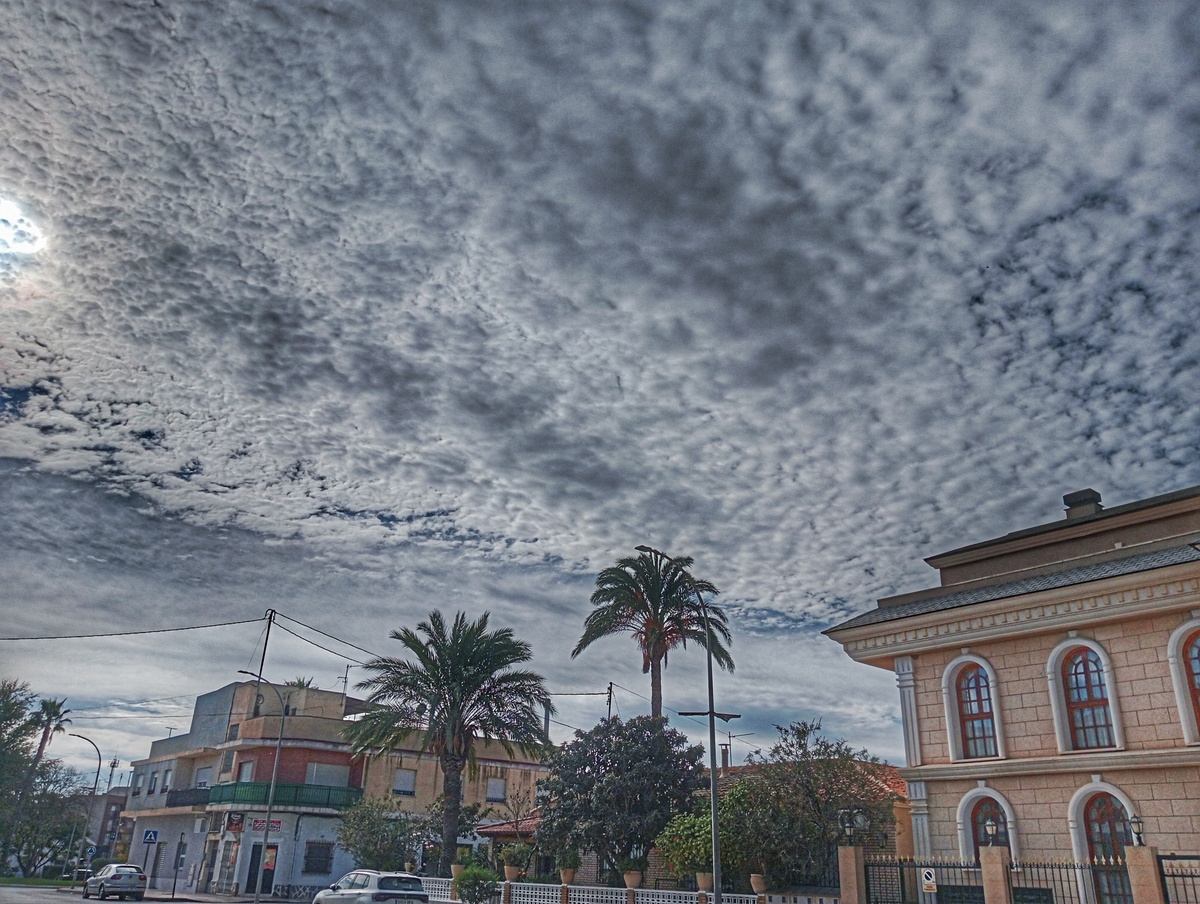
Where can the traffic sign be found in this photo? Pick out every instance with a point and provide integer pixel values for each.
(150, 836)
(928, 881)
(91, 851)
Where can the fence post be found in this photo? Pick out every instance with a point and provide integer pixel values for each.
(1144, 878)
(852, 874)
(506, 893)
(565, 895)
(995, 862)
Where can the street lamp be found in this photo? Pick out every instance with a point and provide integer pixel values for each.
(853, 820)
(91, 803)
(991, 829)
(1136, 825)
(274, 775)
(712, 729)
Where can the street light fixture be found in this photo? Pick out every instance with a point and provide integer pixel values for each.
(712, 729)
(283, 707)
(992, 830)
(852, 820)
(91, 803)
(1136, 825)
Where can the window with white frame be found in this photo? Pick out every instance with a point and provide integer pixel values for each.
(975, 810)
(496, 790)
(1183, 656)
(166, 782)
(138, 779)
(246, 771)
(970, 692)
(203, 776)
(405, 782)
(152, 788)
(1086, 711)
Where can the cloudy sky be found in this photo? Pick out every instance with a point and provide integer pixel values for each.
(356, 310)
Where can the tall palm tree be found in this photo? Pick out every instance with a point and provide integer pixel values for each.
(655, 598)
(457, 687)
(52, 719)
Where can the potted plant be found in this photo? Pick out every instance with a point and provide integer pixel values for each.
(464, 859)
(568, 861)
(477, 884)
(631, 868)
(515, 858)
(686, 844)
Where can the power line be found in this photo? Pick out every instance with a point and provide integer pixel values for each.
(319, 646)
(331, 637)
(132, 633)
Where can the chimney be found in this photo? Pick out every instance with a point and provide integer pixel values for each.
(724, 758)
(1082, 503)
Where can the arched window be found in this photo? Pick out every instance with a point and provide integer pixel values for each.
(1191, 652)
(1106, 825)
(970, 693)
(988, 809)
(1183, 657)
(975, 721)
(1088, 715)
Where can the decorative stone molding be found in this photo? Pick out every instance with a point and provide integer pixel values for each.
(906, 681)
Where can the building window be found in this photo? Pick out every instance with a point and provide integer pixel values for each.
(166, 785)
(969, 693)
(975, 713)
(227, 761)
(138, 778)
(496, 791)
(1183, 656)
(246, 771)
(232, 733)
(1087, 700)
(335, 775)
(974, 809)
(203, 776)
(985, 809)
(318, 858)
(405, 782)
(1108, 834)
(1086, 713)
(152, 788)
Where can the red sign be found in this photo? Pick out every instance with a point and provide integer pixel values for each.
(257, 825)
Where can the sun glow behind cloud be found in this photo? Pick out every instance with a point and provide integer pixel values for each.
(18, 234)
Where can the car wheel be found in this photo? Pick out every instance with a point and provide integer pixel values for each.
(103, 893)
(138, 896)
(86, 893)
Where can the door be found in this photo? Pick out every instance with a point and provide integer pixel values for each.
(268, 869)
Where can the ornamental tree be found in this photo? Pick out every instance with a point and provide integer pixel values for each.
(378, 834)
(614, 788)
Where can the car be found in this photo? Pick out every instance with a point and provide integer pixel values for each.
(125, 880)
(369, 886)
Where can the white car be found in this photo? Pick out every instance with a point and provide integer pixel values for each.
(120, 879)
(368, 886)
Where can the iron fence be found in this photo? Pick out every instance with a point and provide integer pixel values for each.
(1180, 878)
(901, 882)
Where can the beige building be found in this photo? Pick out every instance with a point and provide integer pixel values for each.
(1051, 684)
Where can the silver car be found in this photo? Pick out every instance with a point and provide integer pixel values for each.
(368, 886)
(121, 879)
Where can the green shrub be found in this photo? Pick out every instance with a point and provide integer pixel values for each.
(477, 885)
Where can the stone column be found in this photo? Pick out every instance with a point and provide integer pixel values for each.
(922, 843)
(994, 862)
(906, 681)
(852, 872)
(1144, 876)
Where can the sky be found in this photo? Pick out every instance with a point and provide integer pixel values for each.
(353, 311)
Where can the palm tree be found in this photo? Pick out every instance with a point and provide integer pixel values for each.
(52, 719)
(459, 686)
(655, 598)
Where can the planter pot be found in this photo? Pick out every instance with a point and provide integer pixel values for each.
(455, 869)
(633, 879)
(567, 875)
(704, 881)
(758, 882)
(511, 873)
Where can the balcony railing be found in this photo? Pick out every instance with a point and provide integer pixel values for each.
(287, 794)
(187, 797)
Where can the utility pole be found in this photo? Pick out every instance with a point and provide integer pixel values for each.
(610, 699)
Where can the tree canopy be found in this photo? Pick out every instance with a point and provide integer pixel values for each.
(379, 835)
(612, 789)
(459, 685)
(655, 598)
(782, 817)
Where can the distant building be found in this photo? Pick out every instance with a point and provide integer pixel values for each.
(200, 799)
(1051, 684)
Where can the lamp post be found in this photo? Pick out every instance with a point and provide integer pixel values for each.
(274, 775)
(712, 731)
(991, 829)
(91, 803)
(1136, 825)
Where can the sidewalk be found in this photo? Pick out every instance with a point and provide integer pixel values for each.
(181, 897)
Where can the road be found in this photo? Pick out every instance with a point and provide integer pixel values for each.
(17, 895)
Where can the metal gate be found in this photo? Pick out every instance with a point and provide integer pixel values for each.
(1180, 878)
(901, 882)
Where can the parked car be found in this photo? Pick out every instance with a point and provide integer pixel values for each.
(368, 886)
(121, 879)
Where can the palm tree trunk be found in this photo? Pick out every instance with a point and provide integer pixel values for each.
(656, 688)
(452, 791)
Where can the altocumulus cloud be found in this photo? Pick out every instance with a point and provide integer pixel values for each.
(432, 304)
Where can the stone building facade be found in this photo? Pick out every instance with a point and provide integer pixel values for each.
(1051, 684)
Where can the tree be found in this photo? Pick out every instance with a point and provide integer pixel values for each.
(17, 731)
(613, 789)
(54, 812)
(459, 686)
(379, 835)
(655, 598)
(781, 818)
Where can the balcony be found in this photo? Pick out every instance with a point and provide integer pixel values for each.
(187, 797)
(287, 794)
